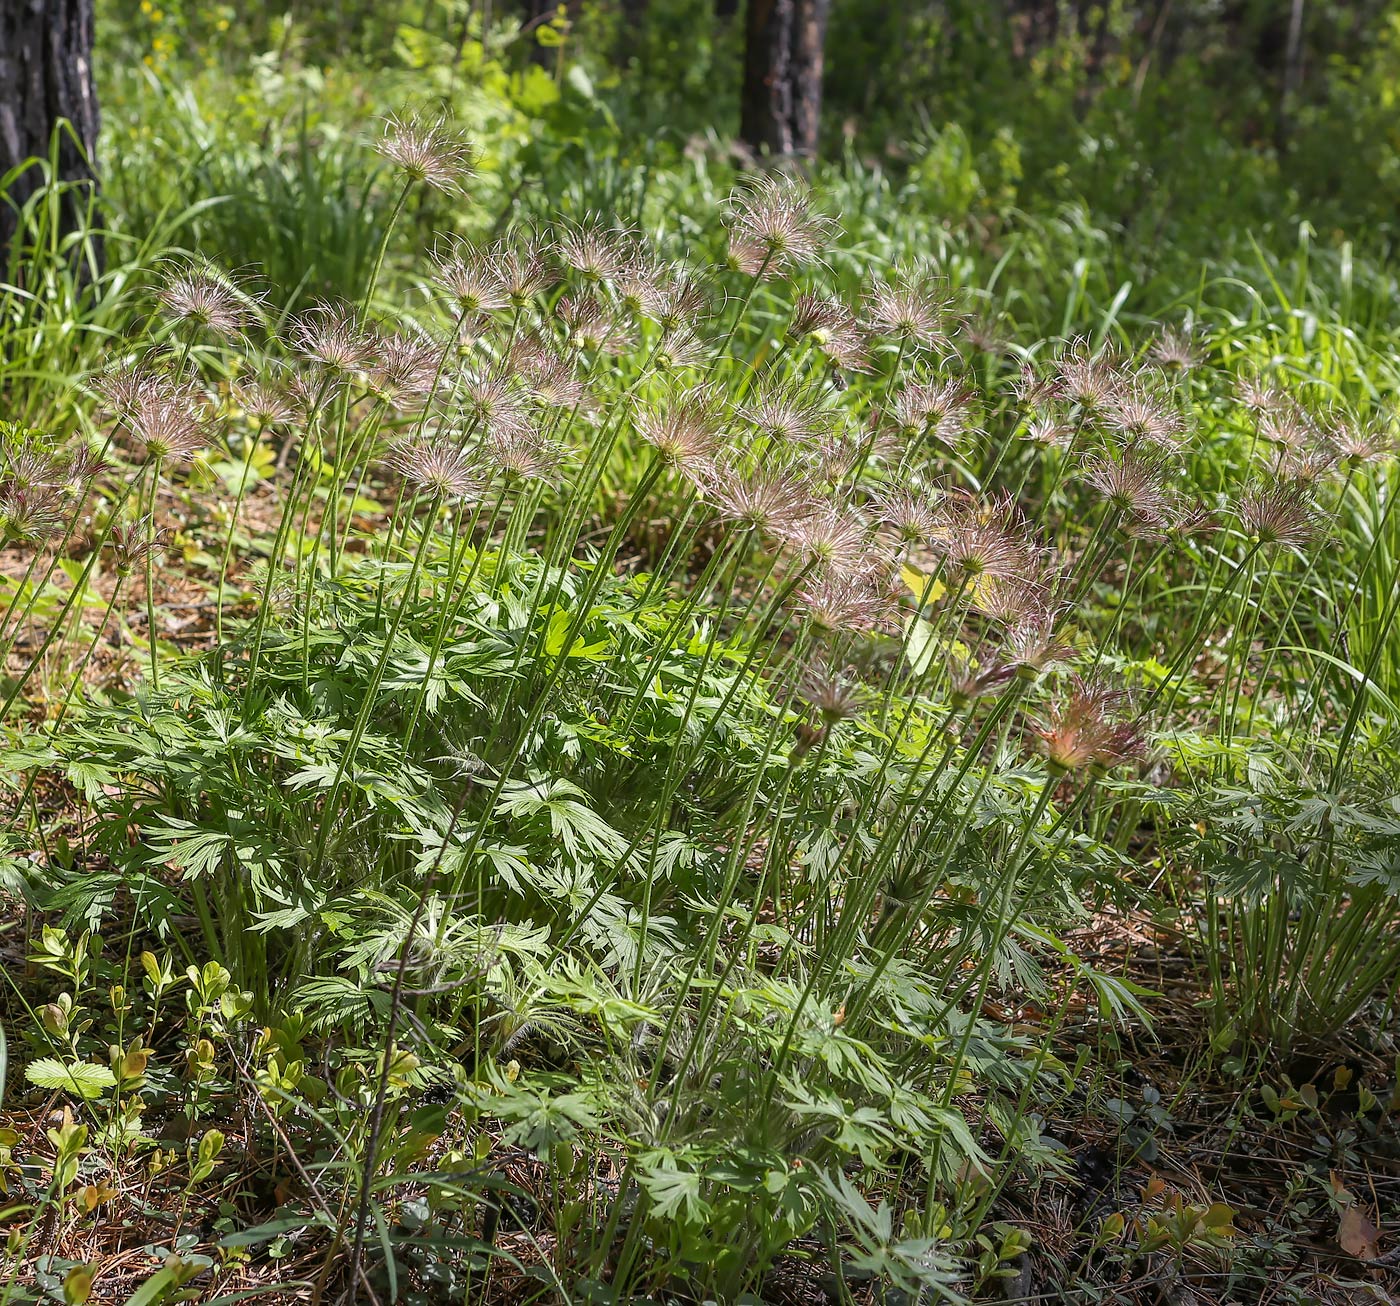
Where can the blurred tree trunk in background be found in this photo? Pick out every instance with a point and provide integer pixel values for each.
(45, 76)
(780, 111)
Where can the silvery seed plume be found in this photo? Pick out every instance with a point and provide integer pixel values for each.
(774, 227)
(833, 328)
(546, 374)
(595, 250)
(134, 542)
(834, 694)
(833, 542)
(405, 368)
(330, 334)
(592, 326)
(427, 152)
(846, 603)
(436, 468)
(1090, 379)
(685, 429)
(1135, 486)
(206, 299)
(773, 500)
(1281, 513)
(916, 305)
(490, 401)
(1175, 349)
(467, 276)
(166, 424)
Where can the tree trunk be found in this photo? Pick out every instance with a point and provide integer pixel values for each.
(45, 76)
(782, 96)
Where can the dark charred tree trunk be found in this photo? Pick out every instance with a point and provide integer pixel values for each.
(782, 96)
(45, 76)
(726, 8)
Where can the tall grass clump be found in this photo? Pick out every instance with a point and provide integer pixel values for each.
(655, 723)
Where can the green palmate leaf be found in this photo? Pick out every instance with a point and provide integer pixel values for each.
(674, 1193)
(81, 1078)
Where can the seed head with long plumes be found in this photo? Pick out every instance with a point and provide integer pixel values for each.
(916, 306)
(125, 390)
(593, 326)
(523, 455)
(405, 368)
(1140, 415)
(1305, 466)
(78, 465)
(685, 430)
(1048, 431)
(1090, 727)
(263, 404)
(522, 266)
(1135, 486)
(833, 328)
(489, 401)
(331, 335)
(1009, 600)
(546, 374)
(166, 424)
(1032, 391)
(1281, 513)
(596, 251)
(1190, 517)
(937, 410)
(427, 152)
(851, 603)
(1289, 428)
(983, 539)
(311, 395)
(907, 514)
(468, 277)
(679, 348)
(32, 502)
(770, 499)
(1257, 394)
(773, 226)
(436, 468)
(834, 694)
(968, 682)
(1090, 380)
(133, 542)
(1032, 642)
(1175, 349)
(784, 416)
(674, 299)
(206, 299)
(835, 543)
(1357, 443)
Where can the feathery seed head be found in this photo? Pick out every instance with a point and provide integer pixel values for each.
(206, 299)
(134, 542)
(436, 468)
(1281, 513)
(916, 306)
(468, 277)
(773, 226)
(833, 328)
(427, 152)
(1175, 349)
(331, 335)
(1090, 727)
(686, 429)
(836, 695)
(969, 681)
